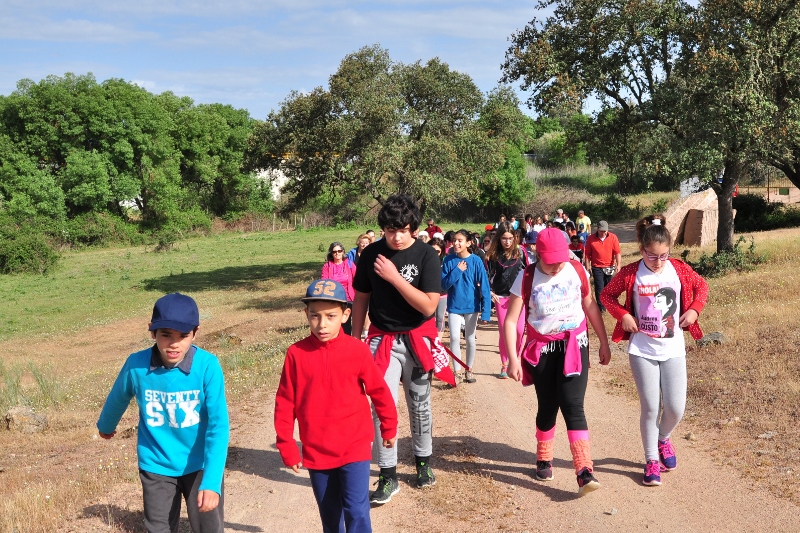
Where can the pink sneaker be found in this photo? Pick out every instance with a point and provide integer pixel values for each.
(652, 473)
(666, 452)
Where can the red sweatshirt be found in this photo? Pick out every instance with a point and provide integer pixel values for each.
(324, 385)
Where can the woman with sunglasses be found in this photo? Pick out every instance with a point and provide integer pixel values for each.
(660, 292)
(339, 268)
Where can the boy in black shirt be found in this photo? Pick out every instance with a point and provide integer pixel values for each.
(399, 279)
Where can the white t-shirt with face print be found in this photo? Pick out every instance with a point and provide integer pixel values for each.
(657, 307)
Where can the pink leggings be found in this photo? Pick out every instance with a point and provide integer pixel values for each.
(502, 308)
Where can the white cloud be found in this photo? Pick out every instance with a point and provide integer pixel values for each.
(69, 30)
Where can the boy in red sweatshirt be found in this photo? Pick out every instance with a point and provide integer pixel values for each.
(324, 385)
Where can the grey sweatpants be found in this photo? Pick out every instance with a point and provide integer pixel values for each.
(162, 504)
(470, 323)
(661, 384)
(404, 367)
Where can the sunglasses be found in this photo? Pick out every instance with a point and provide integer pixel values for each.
(338, 251)
(653, 257)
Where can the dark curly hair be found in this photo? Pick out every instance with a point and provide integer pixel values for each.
(399, 211)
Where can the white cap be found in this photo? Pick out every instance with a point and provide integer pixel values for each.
(438, 235)
(423, 232)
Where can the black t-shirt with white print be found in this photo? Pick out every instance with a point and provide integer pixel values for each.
(418, 264)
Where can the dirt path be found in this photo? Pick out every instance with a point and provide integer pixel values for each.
(484, 447)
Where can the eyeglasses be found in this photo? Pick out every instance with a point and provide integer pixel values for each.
(653, 257)
(338, 251)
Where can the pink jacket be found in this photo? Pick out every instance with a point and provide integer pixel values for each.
(694, 294)
(343, 273)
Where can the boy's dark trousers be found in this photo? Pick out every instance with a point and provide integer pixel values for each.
(343, 497)
(162, 504)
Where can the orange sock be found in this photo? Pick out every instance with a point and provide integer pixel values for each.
(544, 450)
(581, 455)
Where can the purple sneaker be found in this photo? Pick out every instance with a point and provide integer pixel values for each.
(544, 471)
(652, 473)
(666, 452)
(586, 481)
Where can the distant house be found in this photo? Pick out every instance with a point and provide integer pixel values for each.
(276, 178)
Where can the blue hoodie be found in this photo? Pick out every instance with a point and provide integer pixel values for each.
(467, 291)
(183, 415)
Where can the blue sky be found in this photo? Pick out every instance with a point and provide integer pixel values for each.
(247, 53)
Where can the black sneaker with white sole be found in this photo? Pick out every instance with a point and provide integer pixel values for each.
(387, 487)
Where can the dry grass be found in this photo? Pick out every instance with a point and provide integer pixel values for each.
(744, 396)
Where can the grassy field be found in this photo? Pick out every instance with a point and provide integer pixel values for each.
(65, 336)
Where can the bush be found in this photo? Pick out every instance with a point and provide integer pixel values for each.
(611, 208)
(26, 252)
(722, 263)
(754, 213)
(99, 229)
(24, 246)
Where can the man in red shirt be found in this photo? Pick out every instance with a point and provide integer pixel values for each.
(433, 228)
(603, 256)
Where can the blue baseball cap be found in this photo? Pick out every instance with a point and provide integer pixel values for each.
(175, 311)
(325, 289)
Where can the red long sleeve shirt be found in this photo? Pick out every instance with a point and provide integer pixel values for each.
(694, 295)
(324, 386)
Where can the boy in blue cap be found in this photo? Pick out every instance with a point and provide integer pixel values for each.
(325, 382)
(183, 420)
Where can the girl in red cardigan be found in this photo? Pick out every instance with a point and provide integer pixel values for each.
(660, 293)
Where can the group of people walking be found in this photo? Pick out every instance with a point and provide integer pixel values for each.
(390, 292)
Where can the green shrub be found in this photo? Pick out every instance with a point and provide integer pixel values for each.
(25, 251)
(611, 208)
(754, 213)
(722, 263)
(99, 229)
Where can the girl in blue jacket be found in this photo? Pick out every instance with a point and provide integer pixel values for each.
(468, 298)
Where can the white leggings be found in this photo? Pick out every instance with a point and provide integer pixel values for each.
(660, 384)
(470, 322)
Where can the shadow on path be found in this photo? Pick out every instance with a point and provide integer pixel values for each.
(263, 463)
(234, 277)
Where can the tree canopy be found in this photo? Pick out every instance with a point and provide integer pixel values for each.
(383, 127)
(684, 90)
(70, 146)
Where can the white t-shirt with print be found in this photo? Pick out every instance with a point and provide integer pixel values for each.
(555, 304)
(657, 307)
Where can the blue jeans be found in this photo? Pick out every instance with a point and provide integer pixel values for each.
(601, 279)
(343, 497)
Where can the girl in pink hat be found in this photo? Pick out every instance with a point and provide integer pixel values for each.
(554, 293)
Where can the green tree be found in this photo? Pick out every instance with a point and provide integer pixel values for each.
(687, 88)
(731, 74)
(381, 127)
(502, 120)
(105, 145)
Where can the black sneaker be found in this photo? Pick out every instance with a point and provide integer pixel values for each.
(425, 477)
(544, 471)
(586, 481)
(387, 487)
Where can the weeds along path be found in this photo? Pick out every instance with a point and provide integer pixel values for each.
(484, 445)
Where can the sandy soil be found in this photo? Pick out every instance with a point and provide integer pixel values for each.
(484, 448)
